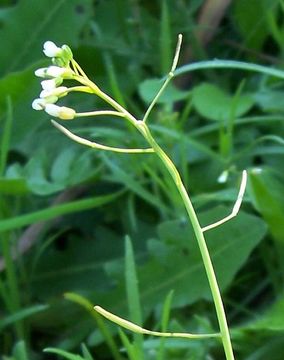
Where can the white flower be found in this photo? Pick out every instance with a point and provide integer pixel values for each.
(51, 50)
(41, 72)
(51, 83)
(62, 112)
(38, 104)
(59, 92)
(54, 72)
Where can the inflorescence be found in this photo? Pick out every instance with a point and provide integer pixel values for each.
(54, 75)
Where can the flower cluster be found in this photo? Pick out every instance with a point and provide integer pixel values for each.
(54, 76)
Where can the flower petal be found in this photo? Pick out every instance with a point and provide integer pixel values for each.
(51, 50)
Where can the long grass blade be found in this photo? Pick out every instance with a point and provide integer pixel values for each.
(133, 294)
(55, 211)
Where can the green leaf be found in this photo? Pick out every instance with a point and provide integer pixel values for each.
(250, 19)
(22, 314)
(129, 181)
(181, 267)
(69, 168)
(13, 186)
(272, 319)
(86, 353)
(31, 22)
(267, 192)
(148, 89)
(5, 141)
(133, 296)
(54, 211)
(63, 353)
(270, 100)
(20, 351)
(21, 87)
(214, 104)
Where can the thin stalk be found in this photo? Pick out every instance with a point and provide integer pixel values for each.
(142, 127)
(144, 130)
(100, 113)
(85, 81)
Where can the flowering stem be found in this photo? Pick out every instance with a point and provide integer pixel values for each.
(64, 56)
(95, 89)
(142, 127)
(144, 130)
(139, 330)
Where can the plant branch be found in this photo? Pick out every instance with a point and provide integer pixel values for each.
(95, 145)
(236, 207)
(139, 330)
(168, 79)
(220, 311)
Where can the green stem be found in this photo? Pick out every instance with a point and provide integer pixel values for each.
(94, 88)
(143, 128)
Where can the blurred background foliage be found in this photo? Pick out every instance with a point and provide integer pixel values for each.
(71, 218)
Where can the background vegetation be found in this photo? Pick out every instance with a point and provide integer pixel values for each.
(70, 216)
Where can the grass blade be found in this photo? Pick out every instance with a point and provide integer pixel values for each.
(4, 146)
(133, 295)
(55, 211)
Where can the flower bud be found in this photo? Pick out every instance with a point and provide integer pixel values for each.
(54, 72)
(38, 104)
(59, 92)
(62, 112)
(67, 53)
(41, 72)
(51, 83)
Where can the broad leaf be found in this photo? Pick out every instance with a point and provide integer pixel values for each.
(267, 194)
(32, 22)
(179, 265)
(215, 104)
(148, 89)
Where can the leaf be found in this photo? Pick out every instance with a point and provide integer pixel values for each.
(182, 270)
(13, 186)
(55, 211)
(70, 167)
(63, 353)
(86, 353)
(130, 182)
(80, 265)
(214, 104)
(270, 100)
(29, 24)
(175, 262)
(267, 192)
(250, 19)
(21, 314)
(272, 319)
(20, 351)
(133, 295)
(148, 89)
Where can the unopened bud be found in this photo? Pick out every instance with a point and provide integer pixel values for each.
(59, 92)
(62, 112)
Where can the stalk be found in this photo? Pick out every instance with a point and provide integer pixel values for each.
(220, 311)
(142, 127)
